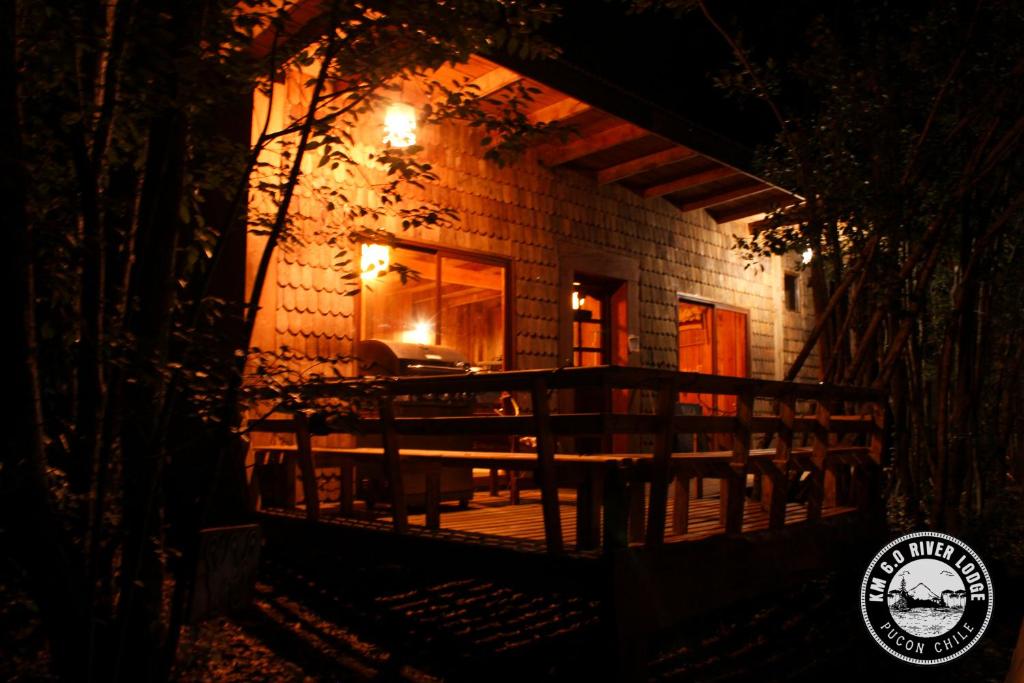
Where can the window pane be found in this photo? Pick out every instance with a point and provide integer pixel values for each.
(790, 281)
(472, 310)
(591, 336)
(392, 311)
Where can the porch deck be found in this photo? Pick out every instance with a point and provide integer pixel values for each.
(630, 527)
(494, 520)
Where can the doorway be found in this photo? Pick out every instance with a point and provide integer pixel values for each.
(591, 322)
(713, 339)
(599, 337)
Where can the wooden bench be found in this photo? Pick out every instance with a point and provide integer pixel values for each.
(618, 484)
(584, 472)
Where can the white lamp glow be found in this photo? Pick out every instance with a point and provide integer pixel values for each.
(422, 332)
(577, 299)
(374, 260)
(807, 255)
(400, 125)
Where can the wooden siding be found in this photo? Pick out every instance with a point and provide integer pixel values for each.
(528, 214)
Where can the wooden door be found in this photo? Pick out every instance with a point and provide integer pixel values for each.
(600, 337)
(712, 340)
(730, 352)
(696, 348)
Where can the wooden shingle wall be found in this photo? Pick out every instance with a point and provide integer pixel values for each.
(527, 214)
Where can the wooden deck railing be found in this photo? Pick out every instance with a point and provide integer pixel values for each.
(840, 463)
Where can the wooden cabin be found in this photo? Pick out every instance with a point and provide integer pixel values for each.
(634, 215)
(625, 428)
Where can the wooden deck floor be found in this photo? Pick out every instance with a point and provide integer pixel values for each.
(491, 519)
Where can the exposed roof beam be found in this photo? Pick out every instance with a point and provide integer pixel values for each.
(688, 181)
(745, 210)
(761, 204)
(559, 111)
(725, 196)
(736, 214)
(494, 80)
(617, 101)
(598, 142)
(794, 214)
(643, 164)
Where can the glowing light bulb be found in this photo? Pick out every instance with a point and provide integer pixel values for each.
(400, 125)
(807, 255)
(577, 299)
(422, 332)
(374, 260)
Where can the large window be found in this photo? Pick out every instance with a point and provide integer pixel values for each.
(452, 300)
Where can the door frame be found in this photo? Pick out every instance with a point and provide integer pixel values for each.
(682, 297)
(576, 258)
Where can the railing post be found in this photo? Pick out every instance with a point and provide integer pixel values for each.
(657, 506)
(876, 449)
(733, 492)
(546, 466)
(868, 472)
(588, 509)
(347, 484)
(822, 491)
(681, 508)
(432, 496)
(616, 508)
(776, 484)
(637, 493)
(393, 463)
(304, 448)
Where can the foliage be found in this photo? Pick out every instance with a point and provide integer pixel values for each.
(128, 172)
(902, 130)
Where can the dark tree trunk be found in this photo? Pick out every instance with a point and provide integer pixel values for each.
(32, 533)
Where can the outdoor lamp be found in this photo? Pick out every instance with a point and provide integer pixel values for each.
(374, 260)
(577, 299)
(400, 125)
(807, 255)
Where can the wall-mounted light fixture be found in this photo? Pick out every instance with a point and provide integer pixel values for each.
(374, 261)
(400, 125)
(807, 255)
(577, 299)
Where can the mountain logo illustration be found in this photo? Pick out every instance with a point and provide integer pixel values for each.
(926, 598)
(922, 592)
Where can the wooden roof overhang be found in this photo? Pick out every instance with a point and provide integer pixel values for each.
(616, 136)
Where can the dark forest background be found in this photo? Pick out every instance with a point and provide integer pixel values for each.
(126, 164)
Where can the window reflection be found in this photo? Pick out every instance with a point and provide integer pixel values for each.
(472, 310)
(392, 311)
(456, 302)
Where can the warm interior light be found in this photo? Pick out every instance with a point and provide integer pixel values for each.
(400, 125)
(577, 299)
(807, 255)
(422, 332)
(374, 260)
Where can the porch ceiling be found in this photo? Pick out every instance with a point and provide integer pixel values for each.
(647, 157)
(616, 136)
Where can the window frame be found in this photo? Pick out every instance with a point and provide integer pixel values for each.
(442, 251)
(796, 291)
(715, 305)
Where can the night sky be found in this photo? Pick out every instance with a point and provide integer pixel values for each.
(672, 58)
